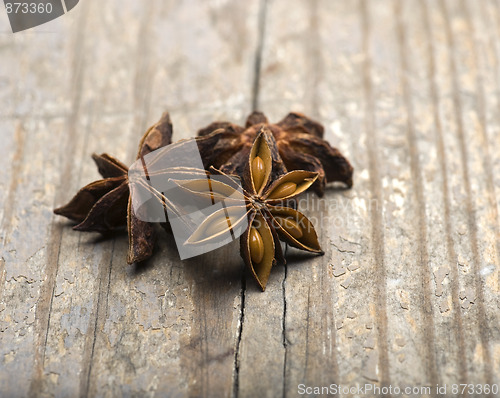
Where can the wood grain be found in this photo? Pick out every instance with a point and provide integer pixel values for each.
(407, 293)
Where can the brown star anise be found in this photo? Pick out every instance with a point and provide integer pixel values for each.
(295, 143)
(300, 142)
(269, 197)
(105, 205)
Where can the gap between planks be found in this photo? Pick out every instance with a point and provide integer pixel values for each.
(417, 185)
(377, 234)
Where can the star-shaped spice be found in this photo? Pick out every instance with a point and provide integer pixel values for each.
(104, 205)
(269, 197)
(300, 143)
(295, 142)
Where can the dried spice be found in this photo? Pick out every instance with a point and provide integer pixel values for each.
(300, 143)
(269, 197)
(276, 162)
(104, 205)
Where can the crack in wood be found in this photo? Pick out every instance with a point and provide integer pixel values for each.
(285, 342)
(238, 340)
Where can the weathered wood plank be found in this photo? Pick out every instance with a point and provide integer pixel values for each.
(448, 353)
(35, 119)
(480, 200)
(455, 76)
(406, 246)
(172, 328)
(76, 297)
(408, 196)
(292, 73)
(84, 259)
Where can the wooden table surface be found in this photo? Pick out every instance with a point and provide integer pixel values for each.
(407, 294)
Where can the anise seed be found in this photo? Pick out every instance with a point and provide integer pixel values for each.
(258, 172)
(218, 226)
(283, 190)
(256, 246)
(290, 226)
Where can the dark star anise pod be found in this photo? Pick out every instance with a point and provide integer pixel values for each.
(269, 197)
(105, 205)
(300, 142)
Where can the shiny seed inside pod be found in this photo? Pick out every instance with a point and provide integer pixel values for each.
(256, 246)
(218, 226)
(290, 226)
(283, 190)
(258, 172)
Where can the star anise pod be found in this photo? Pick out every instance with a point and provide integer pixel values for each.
(300, 143)
(269, 198)
(105, 205)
